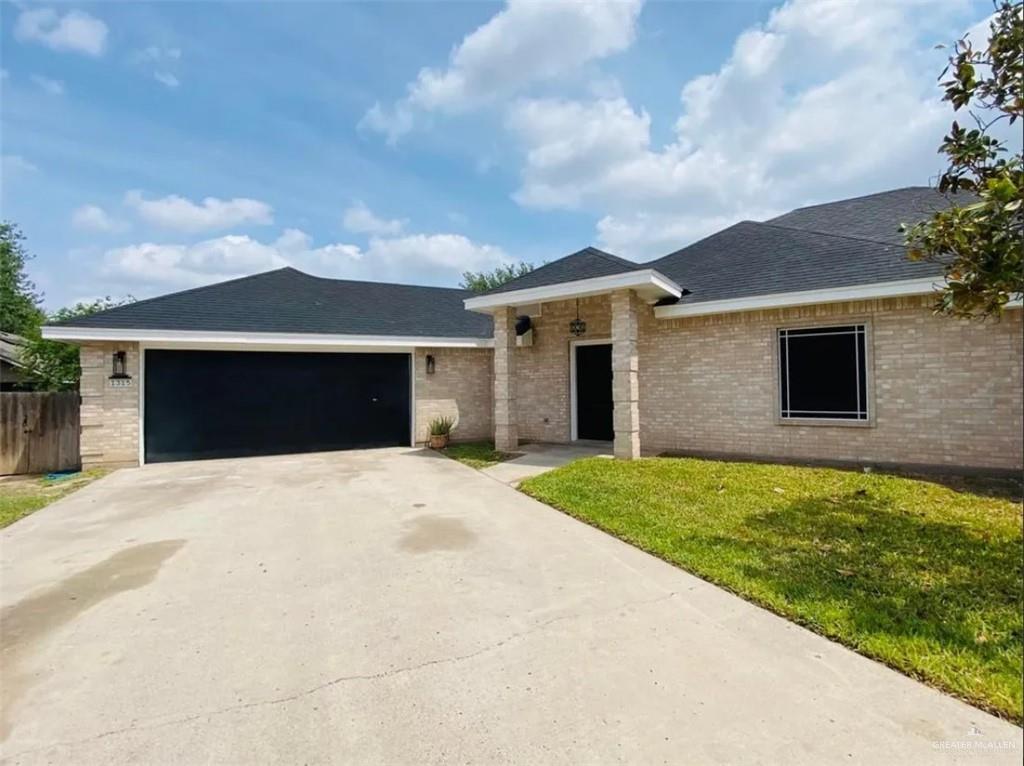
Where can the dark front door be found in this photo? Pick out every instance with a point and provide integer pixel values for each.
(594, 392)
(213, 404)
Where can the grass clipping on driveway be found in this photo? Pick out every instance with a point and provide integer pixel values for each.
(22, 495)
(921, 577)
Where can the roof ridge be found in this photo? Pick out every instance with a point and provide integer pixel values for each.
(851, 199)
(826, 233)
(650, 263)
(372, 281)
(617, 259)
(181, 292)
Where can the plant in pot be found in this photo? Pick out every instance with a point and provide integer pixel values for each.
(440, 430)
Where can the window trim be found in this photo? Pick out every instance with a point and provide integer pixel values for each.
(869, 373)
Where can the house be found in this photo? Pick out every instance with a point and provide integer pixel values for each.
(810, 336)
(13, 375)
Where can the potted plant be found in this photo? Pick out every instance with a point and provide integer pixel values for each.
(440, 430)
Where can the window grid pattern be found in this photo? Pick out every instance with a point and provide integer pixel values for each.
(823, 373)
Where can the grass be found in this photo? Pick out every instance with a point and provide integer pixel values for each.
(923, 577)
(477, 454)
(22, 495)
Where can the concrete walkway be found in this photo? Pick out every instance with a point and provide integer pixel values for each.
(540, 457)
(396, 607)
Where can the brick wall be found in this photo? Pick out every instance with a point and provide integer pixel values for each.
(945, 391)
(110, 416)
(542, 370)
(460, 387)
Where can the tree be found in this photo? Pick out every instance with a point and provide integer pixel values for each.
(19, 302)
(981, 244)
(482, 281)
(54, 365)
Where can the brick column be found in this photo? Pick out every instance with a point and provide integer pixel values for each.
(625, 374)
(506, 438)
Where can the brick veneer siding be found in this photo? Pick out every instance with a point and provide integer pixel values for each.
(542, 370)
(944, 392)
(460, 387)
(110, 416)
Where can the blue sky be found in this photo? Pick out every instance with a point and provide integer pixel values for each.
(151, 147)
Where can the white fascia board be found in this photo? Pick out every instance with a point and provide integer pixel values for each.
(185, 338)
(648, 282)
(903, 287)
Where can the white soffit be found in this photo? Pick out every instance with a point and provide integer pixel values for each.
(649, 284)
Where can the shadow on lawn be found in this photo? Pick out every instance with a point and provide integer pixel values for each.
(886, 570)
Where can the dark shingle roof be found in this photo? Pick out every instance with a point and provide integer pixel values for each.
(585, 264)
(749, 259)
(838, 244)
(290, 301)
(875, 216)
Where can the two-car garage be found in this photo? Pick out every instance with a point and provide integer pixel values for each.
(200, 404)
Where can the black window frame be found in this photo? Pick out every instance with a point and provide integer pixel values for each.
(861, 414)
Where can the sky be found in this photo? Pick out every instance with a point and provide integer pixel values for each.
(153, 147)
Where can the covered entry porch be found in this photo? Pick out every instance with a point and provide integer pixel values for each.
(567, 359)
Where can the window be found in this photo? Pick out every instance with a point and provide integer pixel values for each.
(823, 373)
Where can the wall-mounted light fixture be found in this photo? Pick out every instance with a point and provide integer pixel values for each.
(577, 326)
(120, 365)
(431, 364)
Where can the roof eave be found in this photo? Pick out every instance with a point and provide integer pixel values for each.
(213, 339)
(894, 289)
(650, 284)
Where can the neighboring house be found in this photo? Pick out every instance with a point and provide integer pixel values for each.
(13, 374)
(806, 337)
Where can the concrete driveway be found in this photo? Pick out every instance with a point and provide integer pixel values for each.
(393, 606)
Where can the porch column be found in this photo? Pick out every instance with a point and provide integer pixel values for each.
(625, 374)
(506, 438)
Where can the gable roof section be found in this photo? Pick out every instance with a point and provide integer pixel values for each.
(874, 216)
(289, 301)
(750, 259)
(587, 263)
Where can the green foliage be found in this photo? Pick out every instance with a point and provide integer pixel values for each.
(21, 496)
(442, 426)
(477, 454)
(19, 302)
(54, 365)
(981, 244)
(482, 281)
(924, 577)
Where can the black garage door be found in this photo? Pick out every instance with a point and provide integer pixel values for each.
(212, 404)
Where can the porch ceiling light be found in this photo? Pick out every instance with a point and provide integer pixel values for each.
(577, 326)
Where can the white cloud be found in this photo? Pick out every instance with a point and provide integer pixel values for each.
(360, 219)
(526, 43)
(768, 131)
(443, 255)
(149, 268)
(95, 218)
(166, 78)
(180, 214)
(162, 62)
(74, 31)
(53, 87)
(15, 163)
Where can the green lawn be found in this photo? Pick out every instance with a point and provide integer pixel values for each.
(477, 454)
(20, 496)
(924, 578)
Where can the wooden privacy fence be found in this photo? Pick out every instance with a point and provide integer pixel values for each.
(39, 432)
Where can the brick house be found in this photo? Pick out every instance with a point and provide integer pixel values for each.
(807, 337)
